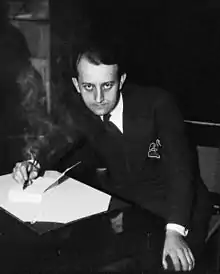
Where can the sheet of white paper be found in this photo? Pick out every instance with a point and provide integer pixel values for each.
(67, 202)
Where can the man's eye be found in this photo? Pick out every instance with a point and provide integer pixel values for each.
(88, 87)
(107, 85)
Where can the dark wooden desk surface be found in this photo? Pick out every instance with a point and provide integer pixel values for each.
(80, 246)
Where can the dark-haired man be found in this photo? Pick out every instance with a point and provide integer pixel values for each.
(145, 150)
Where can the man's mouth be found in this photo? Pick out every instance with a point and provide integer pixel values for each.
(100, 106)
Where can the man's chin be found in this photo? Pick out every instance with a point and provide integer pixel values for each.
(99, 112)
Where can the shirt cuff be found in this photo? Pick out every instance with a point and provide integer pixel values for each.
(178, 228)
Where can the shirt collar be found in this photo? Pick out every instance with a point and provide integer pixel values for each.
(117, 114)
(118, 110)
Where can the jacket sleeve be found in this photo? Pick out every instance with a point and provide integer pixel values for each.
(177, 160)
(56, 148)
(50, 136)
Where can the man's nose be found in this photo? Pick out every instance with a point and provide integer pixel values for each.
(99, 96)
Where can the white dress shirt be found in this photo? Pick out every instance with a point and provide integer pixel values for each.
(117, 114)
(117, 118)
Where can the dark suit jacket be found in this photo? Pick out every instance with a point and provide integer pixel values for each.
(150, 163)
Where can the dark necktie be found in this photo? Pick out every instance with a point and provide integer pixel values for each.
(106, 118)
(109, 126)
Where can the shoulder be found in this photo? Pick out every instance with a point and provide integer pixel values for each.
(141, 92)
(151, 96)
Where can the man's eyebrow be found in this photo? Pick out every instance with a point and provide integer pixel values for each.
(108, 82)
(86, 83)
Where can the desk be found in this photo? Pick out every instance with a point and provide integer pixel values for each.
(83, 245)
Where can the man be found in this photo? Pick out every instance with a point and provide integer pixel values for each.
(146, 155)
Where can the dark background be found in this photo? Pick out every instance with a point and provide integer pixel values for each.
(172, 44)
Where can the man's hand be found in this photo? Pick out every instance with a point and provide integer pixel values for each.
(179, 252)
(24, 171)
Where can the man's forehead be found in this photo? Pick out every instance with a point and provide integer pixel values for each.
(89, 70)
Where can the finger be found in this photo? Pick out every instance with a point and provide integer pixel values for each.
(14, 176)
(164, 262)
(23, 170)
(17, 174)
(175, 260)
(18, 177)
(14, 173)
(33, 174)
(192, 257)
(182, 258)
(33, 169)
(189, 259)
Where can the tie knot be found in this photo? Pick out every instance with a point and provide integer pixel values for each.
(106, 117)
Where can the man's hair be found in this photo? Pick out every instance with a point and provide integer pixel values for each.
(97, 54)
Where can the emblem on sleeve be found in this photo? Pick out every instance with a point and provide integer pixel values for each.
(154, 149)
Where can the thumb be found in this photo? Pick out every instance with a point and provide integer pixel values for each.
(33, 174)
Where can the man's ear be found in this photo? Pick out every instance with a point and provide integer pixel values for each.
(76, 84)
(122, 80)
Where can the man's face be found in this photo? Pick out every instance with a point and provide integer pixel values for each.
(98, 85)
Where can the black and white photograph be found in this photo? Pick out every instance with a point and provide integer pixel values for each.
(110, 136)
